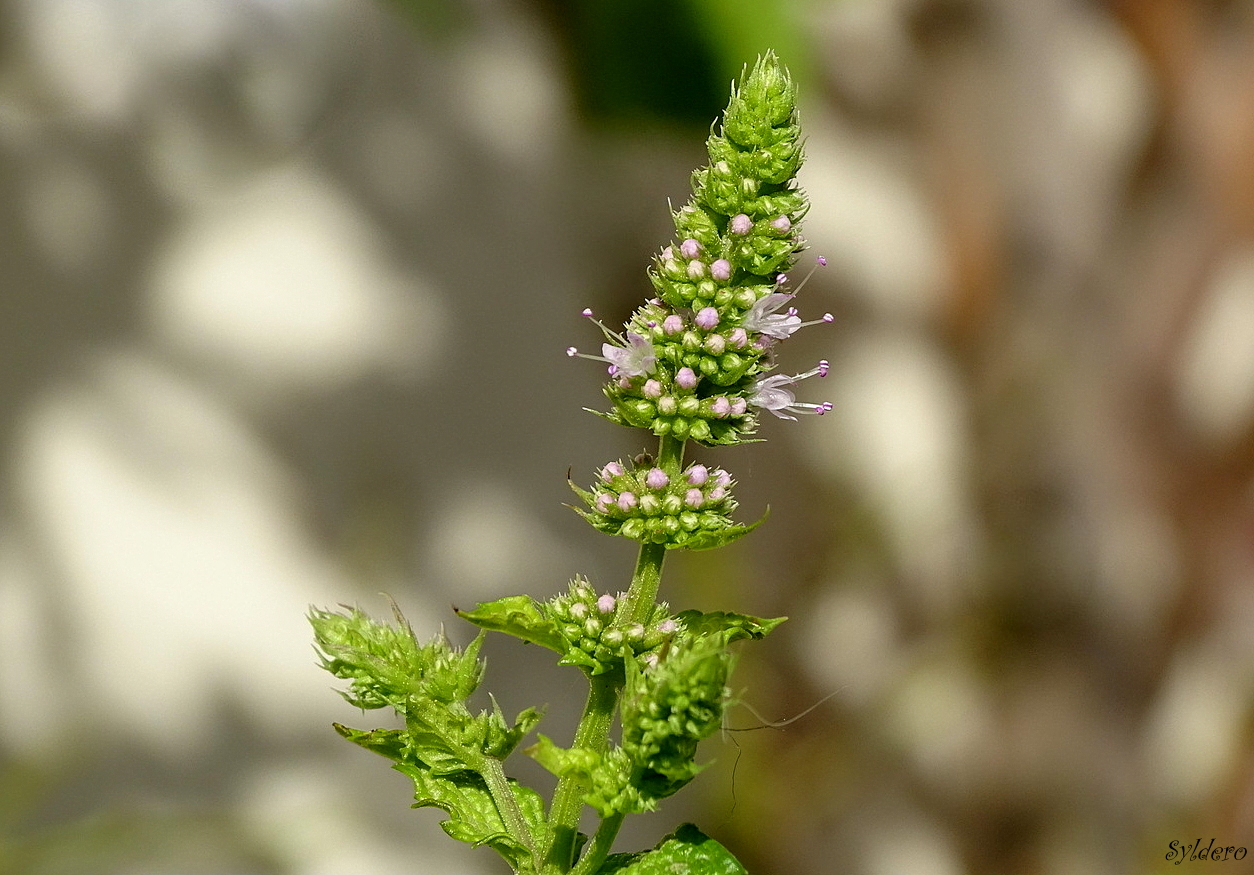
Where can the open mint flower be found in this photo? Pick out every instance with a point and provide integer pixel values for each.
(696, 362)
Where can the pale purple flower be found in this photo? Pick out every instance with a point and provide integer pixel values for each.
(626, 501)
(635, 360)
(698, 474)
(686, 378)
(771, 393)
(741, 224)
(763, 317)
(690, 248)
(673, 324)
(606, 603)
(706, 318)
(721, 270)
(656, 479)
(782, 225)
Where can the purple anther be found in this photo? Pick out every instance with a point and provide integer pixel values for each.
(656, 479)
(741, 224)
(707, 318)
(690, 248)
(822, 261)
(572, 351)
(686, 378)
(781, 278)
(586, 312)
(721, 270)
(823, 368)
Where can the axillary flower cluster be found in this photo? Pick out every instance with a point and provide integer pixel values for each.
(695, 363)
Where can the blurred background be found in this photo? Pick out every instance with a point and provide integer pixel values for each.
(284, 292)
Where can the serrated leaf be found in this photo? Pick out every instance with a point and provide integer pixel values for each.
(520, 616)
(473, 815)
(737, 626)
(687, 851)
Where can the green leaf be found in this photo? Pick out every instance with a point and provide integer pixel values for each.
(562, 761)
(473, 815)
(687, 851)
(520, 616)
(737, 626)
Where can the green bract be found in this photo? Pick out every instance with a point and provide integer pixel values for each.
(694, 363)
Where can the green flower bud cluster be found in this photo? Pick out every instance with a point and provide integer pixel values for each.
(661, 504)
(668, 707)
(586, 623)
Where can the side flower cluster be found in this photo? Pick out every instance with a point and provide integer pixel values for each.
(593, 642)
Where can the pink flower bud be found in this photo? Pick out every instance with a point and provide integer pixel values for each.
(626, 501)
(651, 389)
(698, 474)
(612, 469)
(707, 318)
(673, 324)
(686, 378)
(656, 479)
(782, 225)
(720, 407)
(738, 338)
(690, 248)
(739, 406)
(606, 603)
(696, 270)
(693, 498)
(721, 270)
(741, 225)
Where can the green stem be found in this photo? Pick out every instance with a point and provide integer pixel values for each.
(593, 734)
(600, 847)
(493, 773)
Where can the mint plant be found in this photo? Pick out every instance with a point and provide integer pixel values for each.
(695, 363)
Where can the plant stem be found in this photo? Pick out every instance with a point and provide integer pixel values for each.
(498, 785)
(600, 847)
(593, 734)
